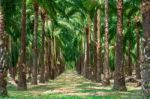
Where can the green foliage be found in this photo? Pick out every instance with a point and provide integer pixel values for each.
(66, 21)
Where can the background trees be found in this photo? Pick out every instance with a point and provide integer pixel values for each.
(84, 33)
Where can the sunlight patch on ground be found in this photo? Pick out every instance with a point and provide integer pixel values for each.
(71, 84)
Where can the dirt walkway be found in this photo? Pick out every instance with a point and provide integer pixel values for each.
(70, 83)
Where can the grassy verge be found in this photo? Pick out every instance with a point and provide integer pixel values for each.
(70, 85)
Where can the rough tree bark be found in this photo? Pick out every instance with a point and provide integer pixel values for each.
(138, 60)
(22, 85)
(119, 79)
(84, 62)
(95, 47)
(106, 80)
(145, 66)
(35, 53)
(129, 69)
(3, 60)
(129, 61)
(47, 70)
(42, 68)
(98, 49)
(88, 35)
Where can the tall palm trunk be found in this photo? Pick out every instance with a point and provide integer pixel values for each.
(129, 60)
(145, 70)
(57, 59)
(95, 47)
(52, 58)
(98, 49)
(43, 45)
(3, 82)
(46, 73)
(22, 85)
(49, 58)
(97, 62)
(35, 57)
(137, 67)
(54, 67)
(85, 59)
(106, 56)
(88, 40)
(119, 79)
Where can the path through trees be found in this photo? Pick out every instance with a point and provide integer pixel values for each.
(71, 84)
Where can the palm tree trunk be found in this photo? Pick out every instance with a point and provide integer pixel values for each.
(79, 64)
(119, 79)
(106, 56)
(43, 51)
(128, 61)
(35, 57)
(22, 85)
(51, 59)
(3, 74)
(46, 73)
(85, 59)
(145, 70)
(54, 68)
(129, 69)
(88, 35)
(97, 65)
(137, 67)
(57, 58)
(98, 49)
(95, 47)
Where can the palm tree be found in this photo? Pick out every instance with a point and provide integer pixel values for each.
(43, 16)
(119, 79)
(129, 59)
(3, 75)
(106, 56)
(145, 70)
(35, 53)
(47, 54)
(88, 44)
(138, 76)
(22, 85)
(97, 45)
(128, 35)
(96, 25)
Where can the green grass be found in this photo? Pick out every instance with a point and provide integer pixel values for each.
(84, 85)
(95, 90)
(59, 96)
(14, 94)
(74, 87)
